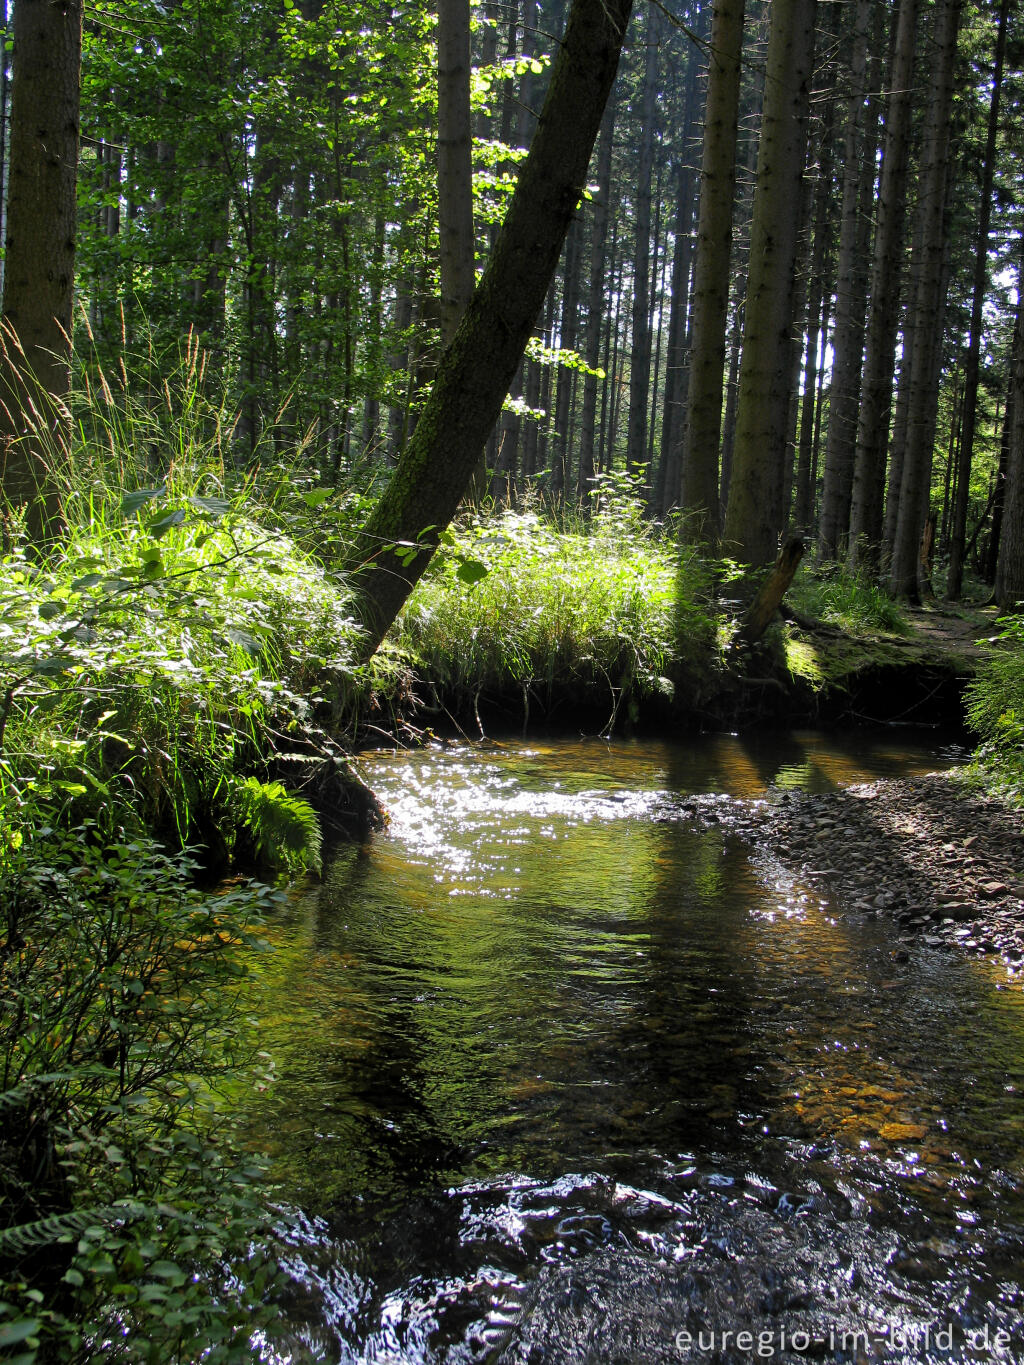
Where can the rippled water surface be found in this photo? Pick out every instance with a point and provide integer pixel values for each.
(566, 1068)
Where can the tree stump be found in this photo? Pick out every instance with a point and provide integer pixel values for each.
(772, 591)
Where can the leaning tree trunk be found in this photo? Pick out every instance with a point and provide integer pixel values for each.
(931, 208)
(702, 432)
(954, 585)
(39, 276)
(754, 514)
(883, 319)
(396, 544)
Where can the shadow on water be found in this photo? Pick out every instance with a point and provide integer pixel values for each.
(566, 1072)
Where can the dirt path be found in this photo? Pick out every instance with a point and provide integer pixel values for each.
(965, 631)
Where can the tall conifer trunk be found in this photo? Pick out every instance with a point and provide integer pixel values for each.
(596, 298)
(1009, 571)
(848, 342)
(702, 431)
(958, 534)
(39, 276)
(754, 513)
(640, 357)
(928, 307)
(883, 318)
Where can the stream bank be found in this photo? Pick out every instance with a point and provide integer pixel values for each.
(802, 672)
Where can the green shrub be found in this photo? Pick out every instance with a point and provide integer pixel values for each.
(128, 1206)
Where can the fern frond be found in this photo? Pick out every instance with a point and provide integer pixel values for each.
(24, 1238)
(284, 827)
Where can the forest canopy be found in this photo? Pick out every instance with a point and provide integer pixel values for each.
(264, 180)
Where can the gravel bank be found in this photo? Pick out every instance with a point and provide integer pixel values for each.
(945, 862)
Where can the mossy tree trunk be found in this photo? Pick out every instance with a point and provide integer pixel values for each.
(477, 367)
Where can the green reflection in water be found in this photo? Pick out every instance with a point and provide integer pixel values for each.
(534, 970)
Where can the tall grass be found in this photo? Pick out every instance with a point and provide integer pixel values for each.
(591, 612)
(995, 709)
(853, 601)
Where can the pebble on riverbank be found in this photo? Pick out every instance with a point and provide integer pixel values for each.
(946, 862)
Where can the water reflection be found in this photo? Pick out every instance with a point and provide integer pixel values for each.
(544, 968)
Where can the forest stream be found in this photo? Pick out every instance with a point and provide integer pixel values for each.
(569, 1071)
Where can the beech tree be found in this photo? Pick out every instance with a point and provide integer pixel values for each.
(39, 274)
(397, 543)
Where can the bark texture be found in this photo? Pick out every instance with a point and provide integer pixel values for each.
(972, 364)
(755, 512)
(848, 342)
(929, 301)
(1009, 586)
(883, 319)
(710, 305)
(454, 163)
(35, 367)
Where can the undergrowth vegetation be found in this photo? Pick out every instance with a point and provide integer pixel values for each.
(995, 709)
(165, 670)
(592, 611)
(852, 601)
(132, 1217)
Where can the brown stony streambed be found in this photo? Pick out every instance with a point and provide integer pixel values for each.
(946, 862)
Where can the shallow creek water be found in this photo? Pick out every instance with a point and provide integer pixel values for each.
(569, 1072)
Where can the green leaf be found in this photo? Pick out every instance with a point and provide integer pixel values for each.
(317, 496)
(167, 1270)
(214, 507)
(19, 1330)
(244, 639)
(472, 570)
(159, 526)
(134, 502)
